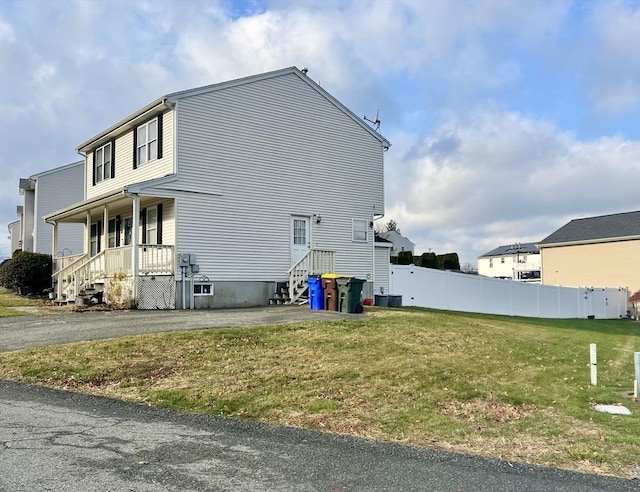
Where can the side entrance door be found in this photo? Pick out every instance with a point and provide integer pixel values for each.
(300, 240)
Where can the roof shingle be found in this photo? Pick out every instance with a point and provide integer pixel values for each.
(612, 226)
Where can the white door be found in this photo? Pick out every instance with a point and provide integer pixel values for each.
(300, 240)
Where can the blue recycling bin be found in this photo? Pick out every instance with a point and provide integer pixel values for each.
(316, 293)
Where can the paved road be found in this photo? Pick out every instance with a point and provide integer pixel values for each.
(51, 329)
(53, 440)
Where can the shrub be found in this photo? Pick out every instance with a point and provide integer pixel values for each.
(26, 273)
(429, 260)
(405, 258)
(450, 261)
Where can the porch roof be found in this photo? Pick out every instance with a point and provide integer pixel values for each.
(77, 212)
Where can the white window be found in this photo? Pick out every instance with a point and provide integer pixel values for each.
(147, 142)
(102, 163)
(152, 225)
(359, 230)
(202, 289)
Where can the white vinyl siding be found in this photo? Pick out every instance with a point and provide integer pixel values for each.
(243, 179)
(381, 284)
(125, 174)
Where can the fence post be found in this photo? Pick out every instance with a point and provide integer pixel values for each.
(594, 364)
(636, 386)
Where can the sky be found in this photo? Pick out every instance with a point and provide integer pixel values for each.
(507, 118)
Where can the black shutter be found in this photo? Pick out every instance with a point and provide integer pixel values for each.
(99, 236)
(143, 221)
(118, 225)
(160, 137)
(159, 225)
(113, 158)
(94, 168)
(135, 148)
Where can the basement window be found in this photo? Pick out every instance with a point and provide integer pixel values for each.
(202, 289)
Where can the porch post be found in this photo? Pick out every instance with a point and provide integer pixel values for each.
(135, 236)
(54, 245)
(87, 234)
(105, 228)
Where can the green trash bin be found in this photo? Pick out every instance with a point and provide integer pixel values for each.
(350, 295)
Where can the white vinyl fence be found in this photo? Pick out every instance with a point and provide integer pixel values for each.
(425, 287)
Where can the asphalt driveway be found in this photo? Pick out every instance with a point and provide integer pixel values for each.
(38, 330)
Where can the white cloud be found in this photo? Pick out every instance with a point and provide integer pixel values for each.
(497, 174)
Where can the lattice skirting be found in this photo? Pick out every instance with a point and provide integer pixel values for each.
(157, 292)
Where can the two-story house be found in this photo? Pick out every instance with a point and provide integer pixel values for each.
(43, 193)
(210, 196)
(602, 251)
(519, 261)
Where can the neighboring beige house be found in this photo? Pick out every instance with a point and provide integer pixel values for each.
(599, 251)
(519, 261)
(211, 197)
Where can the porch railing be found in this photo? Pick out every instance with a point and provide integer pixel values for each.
(314, 262)
(152, 260)
(61, 262)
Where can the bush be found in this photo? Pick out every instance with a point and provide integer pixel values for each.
(429, 260)
(26, 273)
(450, 261)
(405, 258)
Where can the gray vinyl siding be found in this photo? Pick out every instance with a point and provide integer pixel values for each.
(125, 174)
(251, 156)
(29, 223)
(57, 189)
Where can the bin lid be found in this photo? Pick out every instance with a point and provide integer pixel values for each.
(335, 275)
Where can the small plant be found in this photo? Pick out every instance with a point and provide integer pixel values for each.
(120, 292)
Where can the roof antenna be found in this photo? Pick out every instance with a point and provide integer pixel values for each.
(376, 122)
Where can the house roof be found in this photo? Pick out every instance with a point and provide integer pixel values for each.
(595, 229)
(56, 169)
(511, 249)
(167, 101)
(391, 235)
(380, 239)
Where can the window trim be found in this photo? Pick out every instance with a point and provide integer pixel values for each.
(365, 223)
(104, 167)
(201, 286)
(147, 145)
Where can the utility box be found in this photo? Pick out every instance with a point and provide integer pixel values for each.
(183, 259)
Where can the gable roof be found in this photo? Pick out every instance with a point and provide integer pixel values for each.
(168, 101)
(395, 236)
(511, 249)
(596, 229)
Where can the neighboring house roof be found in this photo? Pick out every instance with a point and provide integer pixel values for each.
(511, 249)
(167, 101)
(391, 235)
(56, 169)
(597, 229)
(380, 239)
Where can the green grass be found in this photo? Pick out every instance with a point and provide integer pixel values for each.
(10, 300)
(510, 388)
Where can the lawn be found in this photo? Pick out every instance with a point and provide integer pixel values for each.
(10, 300)
(510, 388)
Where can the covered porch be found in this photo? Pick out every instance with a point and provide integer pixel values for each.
(126, 236)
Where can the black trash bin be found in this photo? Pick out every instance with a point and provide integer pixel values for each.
(350, 295)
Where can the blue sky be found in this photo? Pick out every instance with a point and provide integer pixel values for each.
(507, 118)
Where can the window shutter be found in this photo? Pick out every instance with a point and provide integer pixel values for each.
(160, 137)
(159, 225)
(94, 167)
(143, 221)
(99, 236)
(118, 225)
(113, 158)
(135, 148)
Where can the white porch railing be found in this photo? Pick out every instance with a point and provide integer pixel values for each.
(61, 262)
(314, 262)
(84, 271)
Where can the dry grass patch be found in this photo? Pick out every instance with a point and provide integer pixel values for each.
(502, 387)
